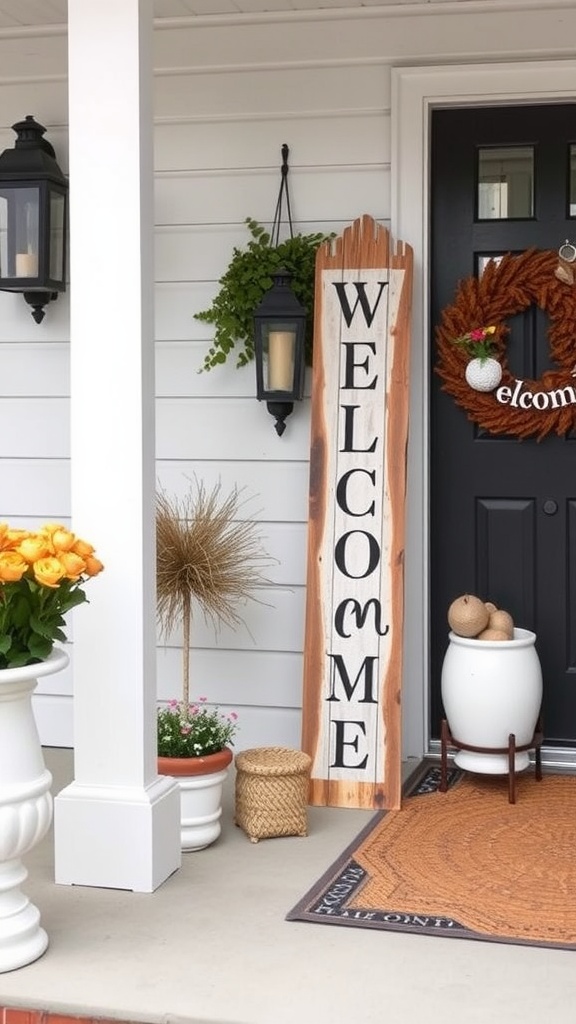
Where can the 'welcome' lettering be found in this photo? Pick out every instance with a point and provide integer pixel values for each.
(360, 614)
(366, 669)
(361, 299)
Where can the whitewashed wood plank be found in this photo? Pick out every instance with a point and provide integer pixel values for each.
(178, 374)
(178, 366)
(35, 487)
(273, 679)
(188, 252)
(273, 91)
(47, 100)
(226, 429)
(268, 678)
(28, 522)
(34, 428)
(390, 36)
(285, 543)
(268, 727)
(17, 325)
(202, 252)
(313, 140)
(59, 684)
(257, 727)
(38, 490)
(279, 489)
(321, 194)
(174, 308)
(37, 55)
(54, 719)
(34, 369)
(275, 624)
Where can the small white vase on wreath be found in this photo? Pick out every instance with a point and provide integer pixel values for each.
(483, 374)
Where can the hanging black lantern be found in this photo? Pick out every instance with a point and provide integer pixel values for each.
(279, 330)
(33, 214)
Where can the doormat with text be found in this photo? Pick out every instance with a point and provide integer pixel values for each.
(463, 864)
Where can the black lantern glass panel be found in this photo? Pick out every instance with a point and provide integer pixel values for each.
(33, 211)
(57, 267)
(279, 331)
(279, 350)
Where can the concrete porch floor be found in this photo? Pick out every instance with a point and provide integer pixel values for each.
(212, 945)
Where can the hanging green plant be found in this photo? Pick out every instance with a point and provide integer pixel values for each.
(247, 279)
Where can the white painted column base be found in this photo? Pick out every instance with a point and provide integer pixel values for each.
(117, 837)
(22, 940)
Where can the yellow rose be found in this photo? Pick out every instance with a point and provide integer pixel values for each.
(48, 572)
(10, 539)
(58, 537)
(82, 548)
(33, 547)
(74, 566)
(93, 566)
(12, 566)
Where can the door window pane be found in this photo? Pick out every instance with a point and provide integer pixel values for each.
(505, 182)
(483, 261)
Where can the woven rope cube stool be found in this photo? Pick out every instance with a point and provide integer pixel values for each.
(272, 792)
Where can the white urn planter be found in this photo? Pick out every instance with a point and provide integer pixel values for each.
(200, 780)
(25, 809)
(491, 689)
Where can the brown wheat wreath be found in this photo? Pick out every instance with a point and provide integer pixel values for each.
(506, 288)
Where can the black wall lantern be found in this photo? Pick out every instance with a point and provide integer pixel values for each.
(33, 214)
(279, 330)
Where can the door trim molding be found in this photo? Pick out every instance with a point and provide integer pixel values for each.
(415, 92)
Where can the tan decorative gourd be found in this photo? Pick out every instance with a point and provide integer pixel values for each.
(493, 634)
(503, 621)
(468, 616)
(491, 607)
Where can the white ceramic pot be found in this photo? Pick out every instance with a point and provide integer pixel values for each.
(483, 374)
(491, 689)
(25, 809)
(200, 780)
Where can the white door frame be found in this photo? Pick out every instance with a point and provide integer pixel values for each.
(415, 92)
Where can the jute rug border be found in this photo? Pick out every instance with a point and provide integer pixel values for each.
(325, 901)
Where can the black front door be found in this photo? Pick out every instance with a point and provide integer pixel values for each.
(503, 511)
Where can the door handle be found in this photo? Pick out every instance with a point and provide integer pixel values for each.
(550, 507)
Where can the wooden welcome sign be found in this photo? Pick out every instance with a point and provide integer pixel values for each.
(355, 584)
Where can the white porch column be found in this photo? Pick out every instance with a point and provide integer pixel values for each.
(117, 824)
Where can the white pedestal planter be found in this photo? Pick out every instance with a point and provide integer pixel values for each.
(25, 809)
(491, 689)
(200, 780)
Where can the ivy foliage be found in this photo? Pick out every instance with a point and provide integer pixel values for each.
(247, 279)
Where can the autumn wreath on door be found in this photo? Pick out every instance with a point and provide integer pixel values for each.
(472, 338)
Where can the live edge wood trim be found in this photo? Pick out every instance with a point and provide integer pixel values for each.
(354, 615)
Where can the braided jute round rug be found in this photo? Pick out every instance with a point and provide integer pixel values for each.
(498, 868)
(463, 863)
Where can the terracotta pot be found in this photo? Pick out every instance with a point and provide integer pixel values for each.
(200, 780)
(25, 809)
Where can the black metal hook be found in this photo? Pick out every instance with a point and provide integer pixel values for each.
(283, 194)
